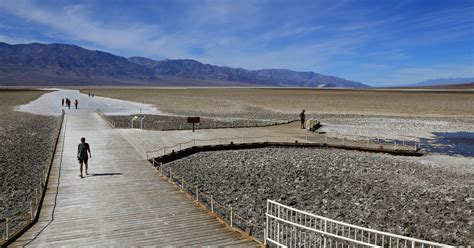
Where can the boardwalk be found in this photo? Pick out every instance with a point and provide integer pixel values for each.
(123, 202)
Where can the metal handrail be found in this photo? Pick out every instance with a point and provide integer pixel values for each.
(305, 214)
(264, 139)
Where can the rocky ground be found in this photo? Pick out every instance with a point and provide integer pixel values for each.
(173, 122)
(26, 143)
(378, 191)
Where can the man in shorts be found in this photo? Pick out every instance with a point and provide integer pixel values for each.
(82, 150)
(302, 119)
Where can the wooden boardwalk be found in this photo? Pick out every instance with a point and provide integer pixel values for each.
(146, 140)
(123, 202)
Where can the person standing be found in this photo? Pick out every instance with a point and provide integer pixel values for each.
(302, 118)
(76, 102)
(82, 155)
(62, 102)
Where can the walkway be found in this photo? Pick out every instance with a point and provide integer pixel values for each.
(123, 202)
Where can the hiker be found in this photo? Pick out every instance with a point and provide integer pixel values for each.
(302, 118)
(62, 102)
(82, 150)
(76, 103)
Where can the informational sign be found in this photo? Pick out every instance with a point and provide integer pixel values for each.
(194, 120)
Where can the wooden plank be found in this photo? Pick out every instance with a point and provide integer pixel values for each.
(122, 202)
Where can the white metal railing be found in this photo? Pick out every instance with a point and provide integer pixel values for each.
(290, 227)
(323, 139)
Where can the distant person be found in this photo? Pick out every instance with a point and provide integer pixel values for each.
(68, 103)
(302, 118)
(82, 155)
(92, 95)
(76, 102)
(89, 94)
(62, 102)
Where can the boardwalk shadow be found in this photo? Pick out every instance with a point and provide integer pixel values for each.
(104, 174)
(451, 143)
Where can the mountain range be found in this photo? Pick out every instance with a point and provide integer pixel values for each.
(62, 65)
(443, 81)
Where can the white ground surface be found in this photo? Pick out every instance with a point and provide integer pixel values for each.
(50, 104)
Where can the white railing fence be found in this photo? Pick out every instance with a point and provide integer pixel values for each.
(290, 227)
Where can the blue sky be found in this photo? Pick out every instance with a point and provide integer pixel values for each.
(374, 42)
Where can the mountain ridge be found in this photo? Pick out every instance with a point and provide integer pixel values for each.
(62, 64)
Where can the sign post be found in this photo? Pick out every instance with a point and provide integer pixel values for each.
(193, 120)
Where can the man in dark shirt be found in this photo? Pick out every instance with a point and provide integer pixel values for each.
(82, 150)
(302, 118)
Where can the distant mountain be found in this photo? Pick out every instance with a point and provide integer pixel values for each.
(443, 81)
(187, 68)
(60, 64)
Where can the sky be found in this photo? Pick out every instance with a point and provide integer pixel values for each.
(379, 43)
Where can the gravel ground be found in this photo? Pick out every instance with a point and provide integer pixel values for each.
(383, 192)
(26, 143)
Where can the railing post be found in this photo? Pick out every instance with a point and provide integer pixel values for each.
(197, 194)
(6, 230)
(171, 180)
(31, 211)
(412, 244)
(231, 218)
(266, 225)
(278, 224)
(212, 205)
(325, 230)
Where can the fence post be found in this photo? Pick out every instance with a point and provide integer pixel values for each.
(6, 229)
(265, 234)
(325, 230)
(212, 204)
(31, 211)
(182, 183)
(171, 180)
(231, 218)
(278, 224)
(197, 194)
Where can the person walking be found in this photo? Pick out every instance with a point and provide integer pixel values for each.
(82, 155)
(62, 102)
(76, 102)
(302, 118)
(69, 103)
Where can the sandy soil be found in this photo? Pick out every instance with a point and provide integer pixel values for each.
(212, 101)
(26, 142)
